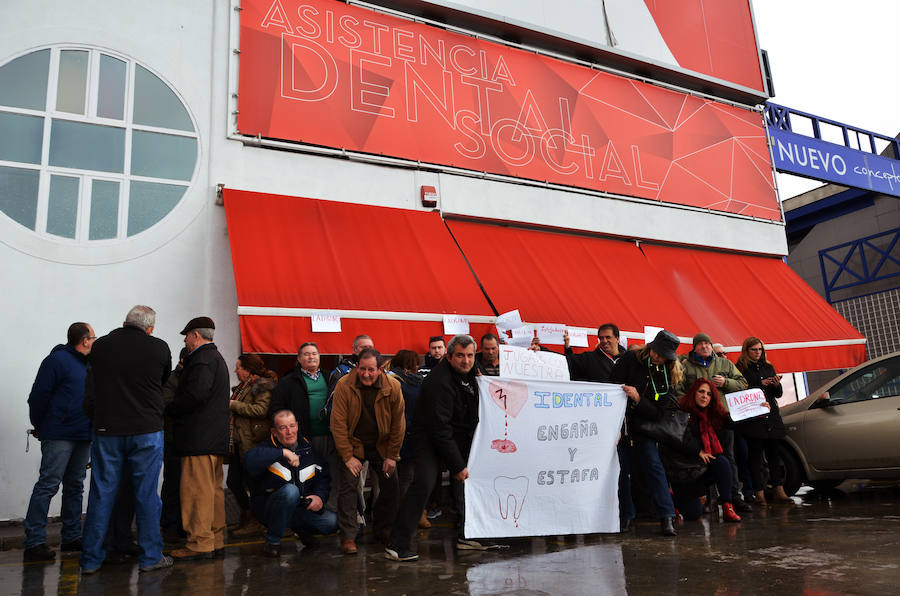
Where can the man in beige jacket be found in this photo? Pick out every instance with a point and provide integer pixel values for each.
(368, 424)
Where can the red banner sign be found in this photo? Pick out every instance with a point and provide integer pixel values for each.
(325, 73)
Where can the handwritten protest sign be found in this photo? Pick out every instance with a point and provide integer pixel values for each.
(509, 320)
(550, 333)
(521, 336)
(521, 363)
(746, 404)
(577, 337)
(456, 324)
(543, 459)
(326, 322)
(650, 333)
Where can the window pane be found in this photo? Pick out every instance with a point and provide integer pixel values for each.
(23, 82)
(87, 146)
(150, 202)
(104, 210)
(20, 137)
(62, 209)
(18, 194)
(162, 156)
(111, 92)
(72, 81)
(156, 105)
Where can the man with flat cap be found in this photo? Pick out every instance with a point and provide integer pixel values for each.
(200, 414)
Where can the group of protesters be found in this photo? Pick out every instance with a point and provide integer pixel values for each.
(301, 449)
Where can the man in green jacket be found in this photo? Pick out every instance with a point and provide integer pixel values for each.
(702, 363)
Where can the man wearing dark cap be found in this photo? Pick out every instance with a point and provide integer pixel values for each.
(200, 415)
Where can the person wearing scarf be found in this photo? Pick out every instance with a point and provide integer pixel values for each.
(702, 461)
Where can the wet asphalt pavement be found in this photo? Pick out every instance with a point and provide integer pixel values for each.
(846, 541)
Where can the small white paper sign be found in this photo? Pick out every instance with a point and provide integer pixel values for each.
(456, 324)
(650, 333)
(326, 322)
(509, 320)
(551, 333)
(577, 337)
(521, 336)
(623, 340)
(522, 363)
(746, 404)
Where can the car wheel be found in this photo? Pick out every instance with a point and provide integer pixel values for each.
(824, 486)
(793, 472)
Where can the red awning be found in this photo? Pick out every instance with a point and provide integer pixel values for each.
(389, 273)
(586, 281)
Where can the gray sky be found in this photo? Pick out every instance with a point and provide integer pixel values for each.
(834, 59)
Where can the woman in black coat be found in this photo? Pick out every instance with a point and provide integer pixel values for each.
(648, 376)
(763, 432)
(703, 460)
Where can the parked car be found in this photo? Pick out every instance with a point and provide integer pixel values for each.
(849, 428)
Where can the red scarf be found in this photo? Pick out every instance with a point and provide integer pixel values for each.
(708, 435)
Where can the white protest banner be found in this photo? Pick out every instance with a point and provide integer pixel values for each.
(509, 320)
(550, 333)
(543, 459)
(521, 336)
(650, 333)
(577, 337)
(521, 363)
(456, 324)
(326, 322)
(746, 404)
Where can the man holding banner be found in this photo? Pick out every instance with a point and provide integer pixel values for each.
(442, 429)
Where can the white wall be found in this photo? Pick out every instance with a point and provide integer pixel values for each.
(182, 266)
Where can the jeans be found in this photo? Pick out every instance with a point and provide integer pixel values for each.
(626, 504)
(428, 467)
(119, 536)
(718, 471)
(62, 462)
(143, 453)
(280, 510)
(655, 475)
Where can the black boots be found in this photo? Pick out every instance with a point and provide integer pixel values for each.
(667, 526)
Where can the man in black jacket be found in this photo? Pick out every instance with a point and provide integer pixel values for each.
(289, 485)
(123, 397)
(200, 417)
(442, 427)
(595, 366)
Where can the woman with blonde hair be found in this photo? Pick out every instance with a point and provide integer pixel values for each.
(649, 377)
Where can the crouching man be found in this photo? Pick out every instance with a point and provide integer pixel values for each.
(289, 485)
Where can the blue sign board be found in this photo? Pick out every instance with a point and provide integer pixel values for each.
(813, 158)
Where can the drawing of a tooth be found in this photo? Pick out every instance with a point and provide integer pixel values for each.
(511, 494)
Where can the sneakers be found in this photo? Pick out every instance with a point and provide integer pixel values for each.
(40, 552)
(464, 544)
(348, 546)
(398, 554)
(71, 547)
(729, 514)
(163, 563)
(271, 550)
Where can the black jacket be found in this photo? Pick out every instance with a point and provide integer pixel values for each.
(123, 389)
(264, 481)
(768, 426)
(291, 393)
(447, 413)
(628, 370)
(199, 410)
(594, 366)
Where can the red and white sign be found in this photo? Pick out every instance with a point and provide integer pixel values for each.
(322, 72)
(746, 404)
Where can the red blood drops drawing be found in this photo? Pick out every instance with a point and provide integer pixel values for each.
(509, 397)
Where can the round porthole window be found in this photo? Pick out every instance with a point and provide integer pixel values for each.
(94, 147)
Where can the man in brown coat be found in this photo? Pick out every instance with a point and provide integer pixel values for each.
(368, 424)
